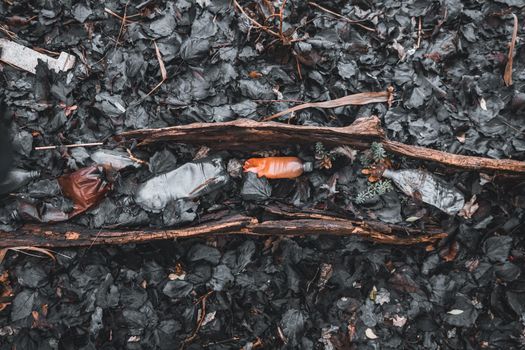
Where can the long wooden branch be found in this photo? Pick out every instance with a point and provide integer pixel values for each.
(247, 134)
(67, 235)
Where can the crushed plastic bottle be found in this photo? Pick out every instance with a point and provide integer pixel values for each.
(116, 159)
(429, 188)
(17, 178)
(277, 167)
(191, 180)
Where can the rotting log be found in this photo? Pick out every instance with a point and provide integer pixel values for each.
(246, 134)
(68, 235)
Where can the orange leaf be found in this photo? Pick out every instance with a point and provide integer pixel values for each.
(507, 77)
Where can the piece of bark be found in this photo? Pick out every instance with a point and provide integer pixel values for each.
(67, 235)
(245, 134)
(289, 212)
(455, 160)
(249, 134)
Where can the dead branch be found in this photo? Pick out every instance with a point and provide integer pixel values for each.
(245, 134)
(68, 235)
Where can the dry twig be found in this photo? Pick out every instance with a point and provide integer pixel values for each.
(92, 144)
(351, 21)
(202, 300)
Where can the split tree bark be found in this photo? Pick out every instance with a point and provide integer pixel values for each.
(247, 134)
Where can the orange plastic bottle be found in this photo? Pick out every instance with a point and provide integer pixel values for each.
(277, 167)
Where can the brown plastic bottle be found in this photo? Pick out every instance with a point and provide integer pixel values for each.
(277, 167)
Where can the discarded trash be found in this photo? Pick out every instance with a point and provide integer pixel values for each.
(277, 167)
(85, 187)
(191, 180)
(115, 159)
(27, 59)
(17, 178)
(44, 213)
(428, 188)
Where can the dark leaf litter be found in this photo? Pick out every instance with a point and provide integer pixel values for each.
(267, 292)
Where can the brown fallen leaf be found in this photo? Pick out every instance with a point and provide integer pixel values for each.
(254, 74)
(355, 99)
(507, 77)
(163, 72)
(24, 249)
(449, 253)
(469, 208)
(5, 287)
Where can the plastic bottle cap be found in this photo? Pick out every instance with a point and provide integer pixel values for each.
(308, 166)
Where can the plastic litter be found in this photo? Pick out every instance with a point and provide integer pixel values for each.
(27, 59)
(85, 187)
(115, 159)
(191, 180)
(277, 167)
(17, 178)
(429, 188)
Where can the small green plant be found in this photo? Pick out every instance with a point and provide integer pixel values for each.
(375, 154)
(378, 152)
(374, 189)
(365, 159)
(319, 149)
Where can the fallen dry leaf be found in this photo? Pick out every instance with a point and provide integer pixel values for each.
(455, 312)
(507, 77)
(163, 72)
(399, 321)
(469, 208)
(449, 253)
(254, 74)
(370, 334)
(362, 98)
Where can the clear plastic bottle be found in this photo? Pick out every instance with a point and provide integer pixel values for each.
(116, 159)
(191, 180)
(431, 189)
(17, 178)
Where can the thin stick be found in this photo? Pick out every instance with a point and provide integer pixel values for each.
(201, 319)
(419, 34)
(92, 144)
(124, 19)
(254, 22)
(351, 21)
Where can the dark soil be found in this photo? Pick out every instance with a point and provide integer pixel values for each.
(232, 292)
